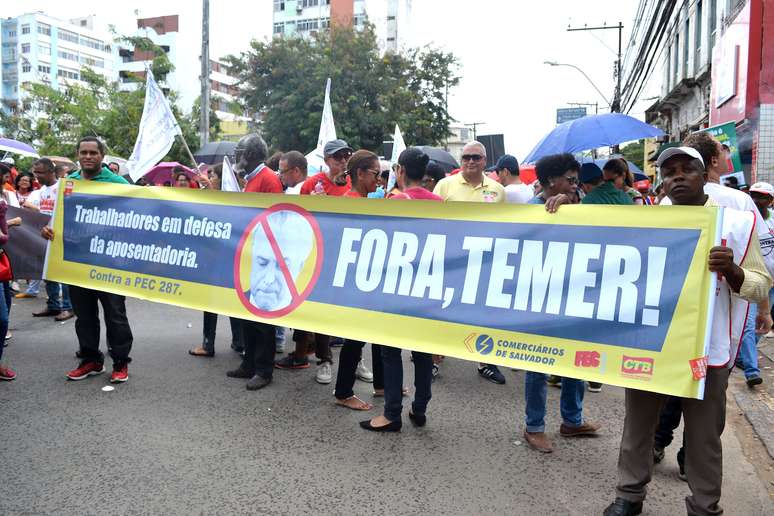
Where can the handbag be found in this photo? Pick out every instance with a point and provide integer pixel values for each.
(6, 274)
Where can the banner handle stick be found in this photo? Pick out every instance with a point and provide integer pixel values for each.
(188, 150)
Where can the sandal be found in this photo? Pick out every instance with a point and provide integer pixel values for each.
(201, 352)
(357, 405)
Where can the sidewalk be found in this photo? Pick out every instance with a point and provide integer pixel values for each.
(757, 403)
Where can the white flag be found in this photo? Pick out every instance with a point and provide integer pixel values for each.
(398, 146)
(158, 128)
(327, 133)
(228, 180)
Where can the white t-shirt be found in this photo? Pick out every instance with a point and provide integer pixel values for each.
(10, 198)
(44, 199)
(294, 190)
(519, 194)
(766, 238)
(729, 198)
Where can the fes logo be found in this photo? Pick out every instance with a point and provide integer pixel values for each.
(637, 367)
(483, 344)
(590, 359)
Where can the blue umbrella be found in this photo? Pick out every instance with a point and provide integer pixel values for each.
(591, 132)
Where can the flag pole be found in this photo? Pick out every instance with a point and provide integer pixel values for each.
(188, 150)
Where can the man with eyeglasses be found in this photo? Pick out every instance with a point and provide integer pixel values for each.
(472, 185)
(335, 181)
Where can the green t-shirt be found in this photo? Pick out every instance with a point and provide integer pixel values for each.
(607, 193)
(104, 176)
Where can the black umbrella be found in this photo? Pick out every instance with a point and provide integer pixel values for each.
(213, 152)
(442, 157)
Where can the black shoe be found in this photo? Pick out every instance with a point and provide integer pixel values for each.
(754, 380)
(492, 373)
(418, 419)
(623, 507)
(240, 372)
(393, 426)
(237, 348)
(257, 382)
(658, 454)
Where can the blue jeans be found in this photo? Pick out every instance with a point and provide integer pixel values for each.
(5, 309)
(393, 382)
(571, 401)
(53, 303)
(748, 350)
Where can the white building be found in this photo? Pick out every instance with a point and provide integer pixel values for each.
(304, 17)
(37, 48)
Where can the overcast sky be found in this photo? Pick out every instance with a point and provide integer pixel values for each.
(501, 46)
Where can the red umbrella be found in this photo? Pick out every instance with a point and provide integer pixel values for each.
(164, 172)
(527, 174)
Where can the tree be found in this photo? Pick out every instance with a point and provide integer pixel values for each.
(635, 152)
(54, 120)
(282, 82)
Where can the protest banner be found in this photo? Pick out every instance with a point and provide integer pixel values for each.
(594, 292)
(25, 248)
(726, 135)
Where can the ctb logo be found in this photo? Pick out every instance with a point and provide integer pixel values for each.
(637, 367)
(484, 344)
(593, 359)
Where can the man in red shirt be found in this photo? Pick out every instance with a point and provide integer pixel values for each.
(335, 181)
(260, 179)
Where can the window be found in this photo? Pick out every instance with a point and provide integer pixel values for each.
(325, 23)
(697, 39)
(307, 25)
(279, 28)
(26, 67)
(44, 49)
(95, 62)
(44, 28)
(712, 23)
(44, 68)
(65, 53)
(68, 74)
(93, 43)
(68, 36)
(359, 20)
(279, 5)
(25, 48)
(26, 28)
(676, 63)
(308, 3)
(11, 33)
(686, 39)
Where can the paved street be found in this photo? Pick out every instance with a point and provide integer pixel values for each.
(181, 438)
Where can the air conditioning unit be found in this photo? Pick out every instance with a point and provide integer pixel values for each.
(299, 8)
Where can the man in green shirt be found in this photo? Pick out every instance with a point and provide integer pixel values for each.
(91, 152)
(609, 192)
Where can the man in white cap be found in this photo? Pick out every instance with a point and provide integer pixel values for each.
(762, 195)
(744, 277)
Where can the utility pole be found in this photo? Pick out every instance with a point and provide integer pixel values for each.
(615, 107)
(204, 111)
(474, 125)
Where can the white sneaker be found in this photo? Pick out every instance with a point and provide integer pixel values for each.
(363, 373)
(324, 373)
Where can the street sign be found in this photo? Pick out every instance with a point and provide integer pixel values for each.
(566, 114)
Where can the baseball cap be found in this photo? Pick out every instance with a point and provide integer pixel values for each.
(589, 172)
(509, 162)
(764, 188)
(9, 161)
(334, 146)
(671, 152)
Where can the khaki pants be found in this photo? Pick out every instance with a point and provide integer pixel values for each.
(704, 421)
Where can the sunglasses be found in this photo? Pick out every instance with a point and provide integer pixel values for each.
(472, 157)
(573, 180)
(342, 156)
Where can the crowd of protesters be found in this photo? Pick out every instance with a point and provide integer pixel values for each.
(690, 176)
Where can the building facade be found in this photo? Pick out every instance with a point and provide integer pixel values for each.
(37, 48)
(305, 17)
(224, 93)
(685, 71)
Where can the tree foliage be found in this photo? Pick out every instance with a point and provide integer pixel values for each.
(635, 152)
(54, 120)
(283, 82)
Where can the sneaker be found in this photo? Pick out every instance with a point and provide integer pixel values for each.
(24, 295)
(85, 369)
(554, 381)
(336, 342)
(120, 374)
(658, 454)
(291, 362)
(324, 373)
(436, 371)
(754, 380)
(492, 373)
(595, 387)
(363, 373)
(7, 374)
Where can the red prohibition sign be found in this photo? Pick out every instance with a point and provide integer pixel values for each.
(296, 297)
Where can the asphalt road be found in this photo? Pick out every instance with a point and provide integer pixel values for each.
(181, 438)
